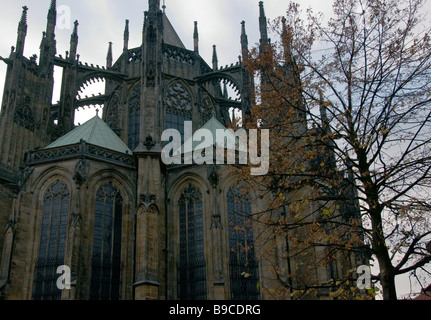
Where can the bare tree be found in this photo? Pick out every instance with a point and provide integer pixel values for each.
(348, 103)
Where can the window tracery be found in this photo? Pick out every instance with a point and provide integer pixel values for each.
(106, 258)
(23, 115)
(192, 267)
(134, 117)
(52, 243)
(178, 107)
(242, 263)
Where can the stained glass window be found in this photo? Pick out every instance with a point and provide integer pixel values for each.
(242, 262)
(134, 117)
(106, 258)
(192, 276)
(52, 243)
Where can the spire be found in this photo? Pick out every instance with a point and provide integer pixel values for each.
(196, 38)
(22, 32)
(23, 22)
(350, 172)
(154, 5)
(74, 41)
(75, 29)
(287, 41)
(244, 41)
(52, 20)
(215, 60)
(153, 9)
(109, 56)
(323, 113)
(153, 22)
(53, 5)
(292, 70)
(263, 26)
(126, 36)
(48, 45)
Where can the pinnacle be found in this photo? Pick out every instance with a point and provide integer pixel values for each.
(24, 14)
(53, 5)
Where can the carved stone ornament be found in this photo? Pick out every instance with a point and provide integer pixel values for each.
(146, 206)
(216, 222)
(24, 174)
(149, 143)
(112, 119)
(81, 171)
(23, 115)
(214, 177)
(151, 76)
(75, 219)
(206, 109)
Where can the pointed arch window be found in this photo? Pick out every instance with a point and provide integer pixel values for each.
(6, 255)
(178, 108)
(52, 242)
(134, 117)
(242, 262)
(106, 259)
(192, 267)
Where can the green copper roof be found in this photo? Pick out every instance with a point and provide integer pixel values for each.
(95, 131)
(213, 125)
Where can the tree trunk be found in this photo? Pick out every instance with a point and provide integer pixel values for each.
(387, 280)
(387, 274)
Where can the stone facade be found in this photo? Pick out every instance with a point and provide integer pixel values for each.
(127, 226)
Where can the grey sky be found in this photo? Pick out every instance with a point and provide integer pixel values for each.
(101, 21)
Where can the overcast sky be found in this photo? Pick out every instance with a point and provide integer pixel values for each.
(102, 21)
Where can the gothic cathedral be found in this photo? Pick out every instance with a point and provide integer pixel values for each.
(95, 202)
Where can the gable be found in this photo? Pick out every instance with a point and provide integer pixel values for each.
(95, 131)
